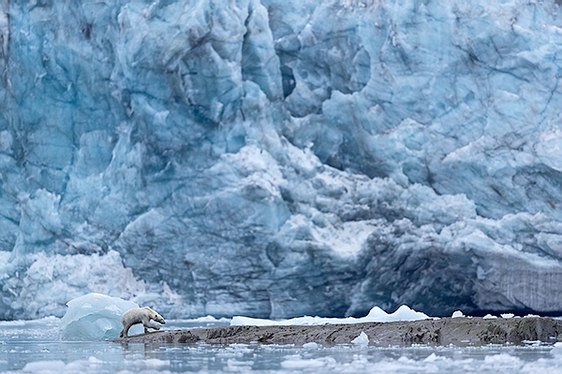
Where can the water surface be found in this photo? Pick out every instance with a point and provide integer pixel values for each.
(35, 347)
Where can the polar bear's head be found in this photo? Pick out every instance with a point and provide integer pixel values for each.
(153, 315)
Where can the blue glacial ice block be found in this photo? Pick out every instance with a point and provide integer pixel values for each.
(95, 316)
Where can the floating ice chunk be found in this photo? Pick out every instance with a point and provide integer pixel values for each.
(95, 316)
(489, 316)
(507, 315)
(236, 365)
(457, 314)
(297, 363)
(532, 343)
(431, 358)
(95, 360)
(52, 366)
(403, 313)
(362, 339)
(502, 361)
(311, 345)
(153, 362)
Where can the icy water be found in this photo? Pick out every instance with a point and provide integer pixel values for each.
(34, 347)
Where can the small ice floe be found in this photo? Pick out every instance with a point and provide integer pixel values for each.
(46, 366)
(489, 316)
(457, 314)
(311, 345)
(299, 363)
(431, 358)
(532, 343)
(507, 315)
(557, 349)
(361, 340)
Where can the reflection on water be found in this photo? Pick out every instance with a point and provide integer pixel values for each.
(34, 347)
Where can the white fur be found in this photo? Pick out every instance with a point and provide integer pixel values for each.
(140, 315)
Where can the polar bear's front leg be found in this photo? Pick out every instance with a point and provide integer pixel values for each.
(147, 324)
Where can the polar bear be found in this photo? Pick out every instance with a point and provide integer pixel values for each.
(140, 315)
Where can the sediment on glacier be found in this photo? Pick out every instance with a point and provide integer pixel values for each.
(445, 331)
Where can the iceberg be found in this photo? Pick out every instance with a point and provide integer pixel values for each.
(275, 159)
(95, 317)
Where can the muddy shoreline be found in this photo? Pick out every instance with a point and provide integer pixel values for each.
(445, 331)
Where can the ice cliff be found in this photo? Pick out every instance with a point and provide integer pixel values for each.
(274, 158)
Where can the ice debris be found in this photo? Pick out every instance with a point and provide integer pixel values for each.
(362, 339)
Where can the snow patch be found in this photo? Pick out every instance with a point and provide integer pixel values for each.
(457, 314)
(403, 313)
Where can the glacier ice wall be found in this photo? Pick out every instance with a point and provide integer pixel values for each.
(278, 158)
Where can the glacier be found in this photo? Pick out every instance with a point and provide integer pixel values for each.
(275, 159)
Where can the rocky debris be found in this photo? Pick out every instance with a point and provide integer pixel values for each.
(445, 331)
